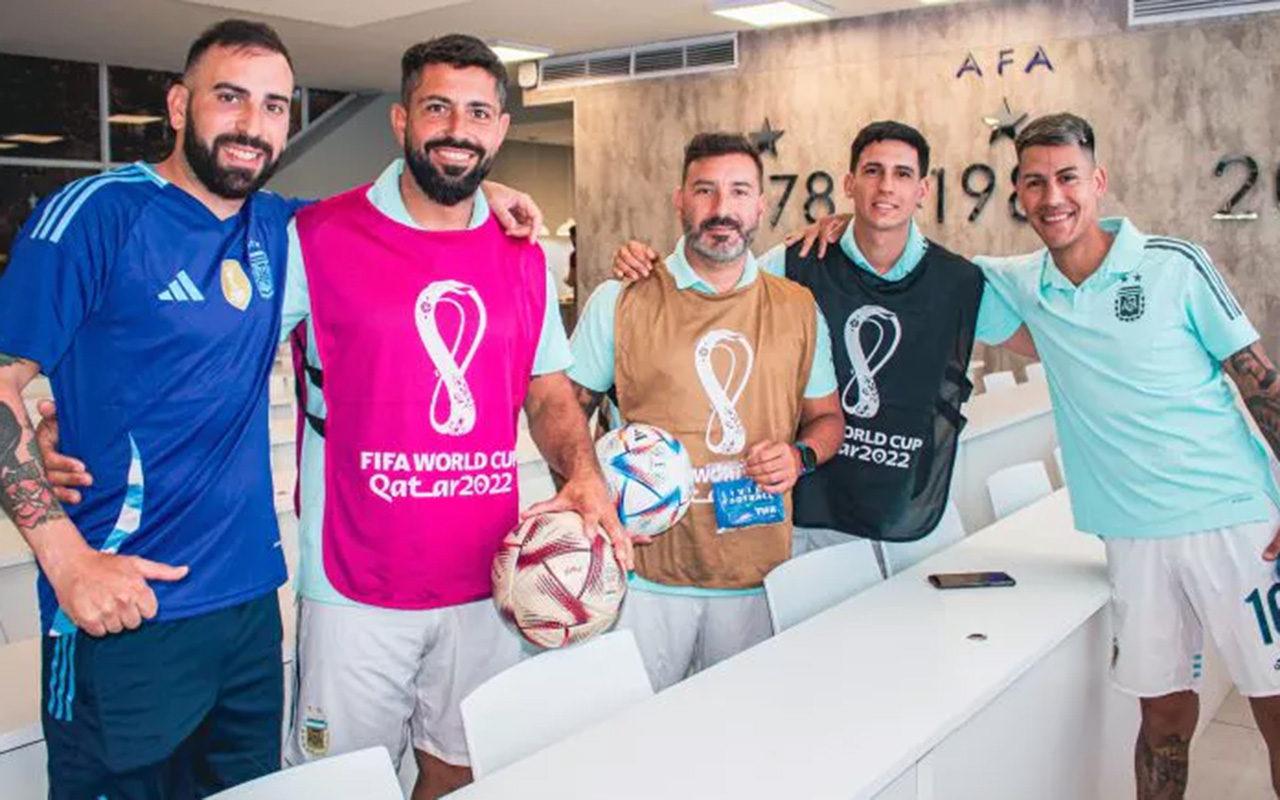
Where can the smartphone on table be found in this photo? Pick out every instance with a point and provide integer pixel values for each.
(971, 580)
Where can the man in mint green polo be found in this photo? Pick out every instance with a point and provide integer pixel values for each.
(737, 366)
(1137, 333)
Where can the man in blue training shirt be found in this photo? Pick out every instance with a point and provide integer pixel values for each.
(150, 297)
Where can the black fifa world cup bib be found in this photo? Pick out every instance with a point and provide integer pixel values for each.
(901, 350)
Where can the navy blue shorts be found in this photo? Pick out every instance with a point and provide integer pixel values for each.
(176, 709)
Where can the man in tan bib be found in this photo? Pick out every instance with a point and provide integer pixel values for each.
(737, 365)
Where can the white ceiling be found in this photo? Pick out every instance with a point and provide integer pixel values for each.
(156, 33)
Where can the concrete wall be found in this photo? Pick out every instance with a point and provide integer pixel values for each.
(1166, 102)
(544, 171)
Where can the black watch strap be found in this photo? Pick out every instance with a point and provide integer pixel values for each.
(808, 458)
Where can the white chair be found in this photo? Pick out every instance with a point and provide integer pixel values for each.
(801, 587)
(366, 774)
(1035, 371)
(1057, 459)
(19, 607)
(899, 556)
(1017, 486)
(547, 697)
(999, 381)
(535, 483)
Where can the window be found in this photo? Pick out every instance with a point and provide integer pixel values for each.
(50, 109)
(320, 101)
(21, 188)
(138, 124)
(67, 119)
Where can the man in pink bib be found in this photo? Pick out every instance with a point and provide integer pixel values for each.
(428, 330)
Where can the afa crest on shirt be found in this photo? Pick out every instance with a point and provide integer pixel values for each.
(260, 266)
(315, 733)
(235, 284)
(1131, 303)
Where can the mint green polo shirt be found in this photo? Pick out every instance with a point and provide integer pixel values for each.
(996, 319)
(552, 355)
(592, 346)
(1152, 439)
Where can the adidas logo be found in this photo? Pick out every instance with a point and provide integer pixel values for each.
(181, 290)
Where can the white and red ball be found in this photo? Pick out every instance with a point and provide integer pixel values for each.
(555, 583)
(650, 477)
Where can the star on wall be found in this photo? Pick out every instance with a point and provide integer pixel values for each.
(1004, 123)
(766, 139)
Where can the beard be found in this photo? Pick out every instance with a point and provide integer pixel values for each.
(703, 243)
(455, 183)
(231, 183)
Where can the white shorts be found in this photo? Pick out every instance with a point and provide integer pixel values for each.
(375, 676)
(680, 635)
(1165, 592)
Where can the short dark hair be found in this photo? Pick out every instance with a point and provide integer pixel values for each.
(238, 34)
(890, 131)
(710, 145)
(458, 50)
(1057, 129)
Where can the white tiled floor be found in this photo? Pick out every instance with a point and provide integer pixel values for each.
(1229, 760)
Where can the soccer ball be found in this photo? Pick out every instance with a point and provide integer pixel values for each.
(650, 477)
(556, 584)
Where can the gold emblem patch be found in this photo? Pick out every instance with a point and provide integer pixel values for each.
(235, 284)
(315, 733)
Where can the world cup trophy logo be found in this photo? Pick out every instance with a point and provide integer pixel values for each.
(458, 415)
(724, 395)
(861, 396)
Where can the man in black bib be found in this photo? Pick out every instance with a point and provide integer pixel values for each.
(903, 314)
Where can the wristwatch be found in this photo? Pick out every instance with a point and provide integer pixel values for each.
(808, 458)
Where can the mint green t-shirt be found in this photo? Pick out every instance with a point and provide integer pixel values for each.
(593, 366)
(1153, 443)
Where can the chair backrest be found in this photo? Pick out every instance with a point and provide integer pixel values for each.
(999, 381)
(801, 587)
(547, 697)
(1020, 485)
(1035, 372)
(901, 555)
(367, 774)
(535, 483)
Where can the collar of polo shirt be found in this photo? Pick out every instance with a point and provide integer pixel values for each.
(1126, 251)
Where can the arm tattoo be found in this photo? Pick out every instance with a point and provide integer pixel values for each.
(1259, 386)
(588, 399)
(1162, 770)
(25, 494)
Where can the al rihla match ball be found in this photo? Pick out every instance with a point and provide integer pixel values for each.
(650, 477)
(555, 583)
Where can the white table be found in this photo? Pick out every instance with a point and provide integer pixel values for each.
(878, 692)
